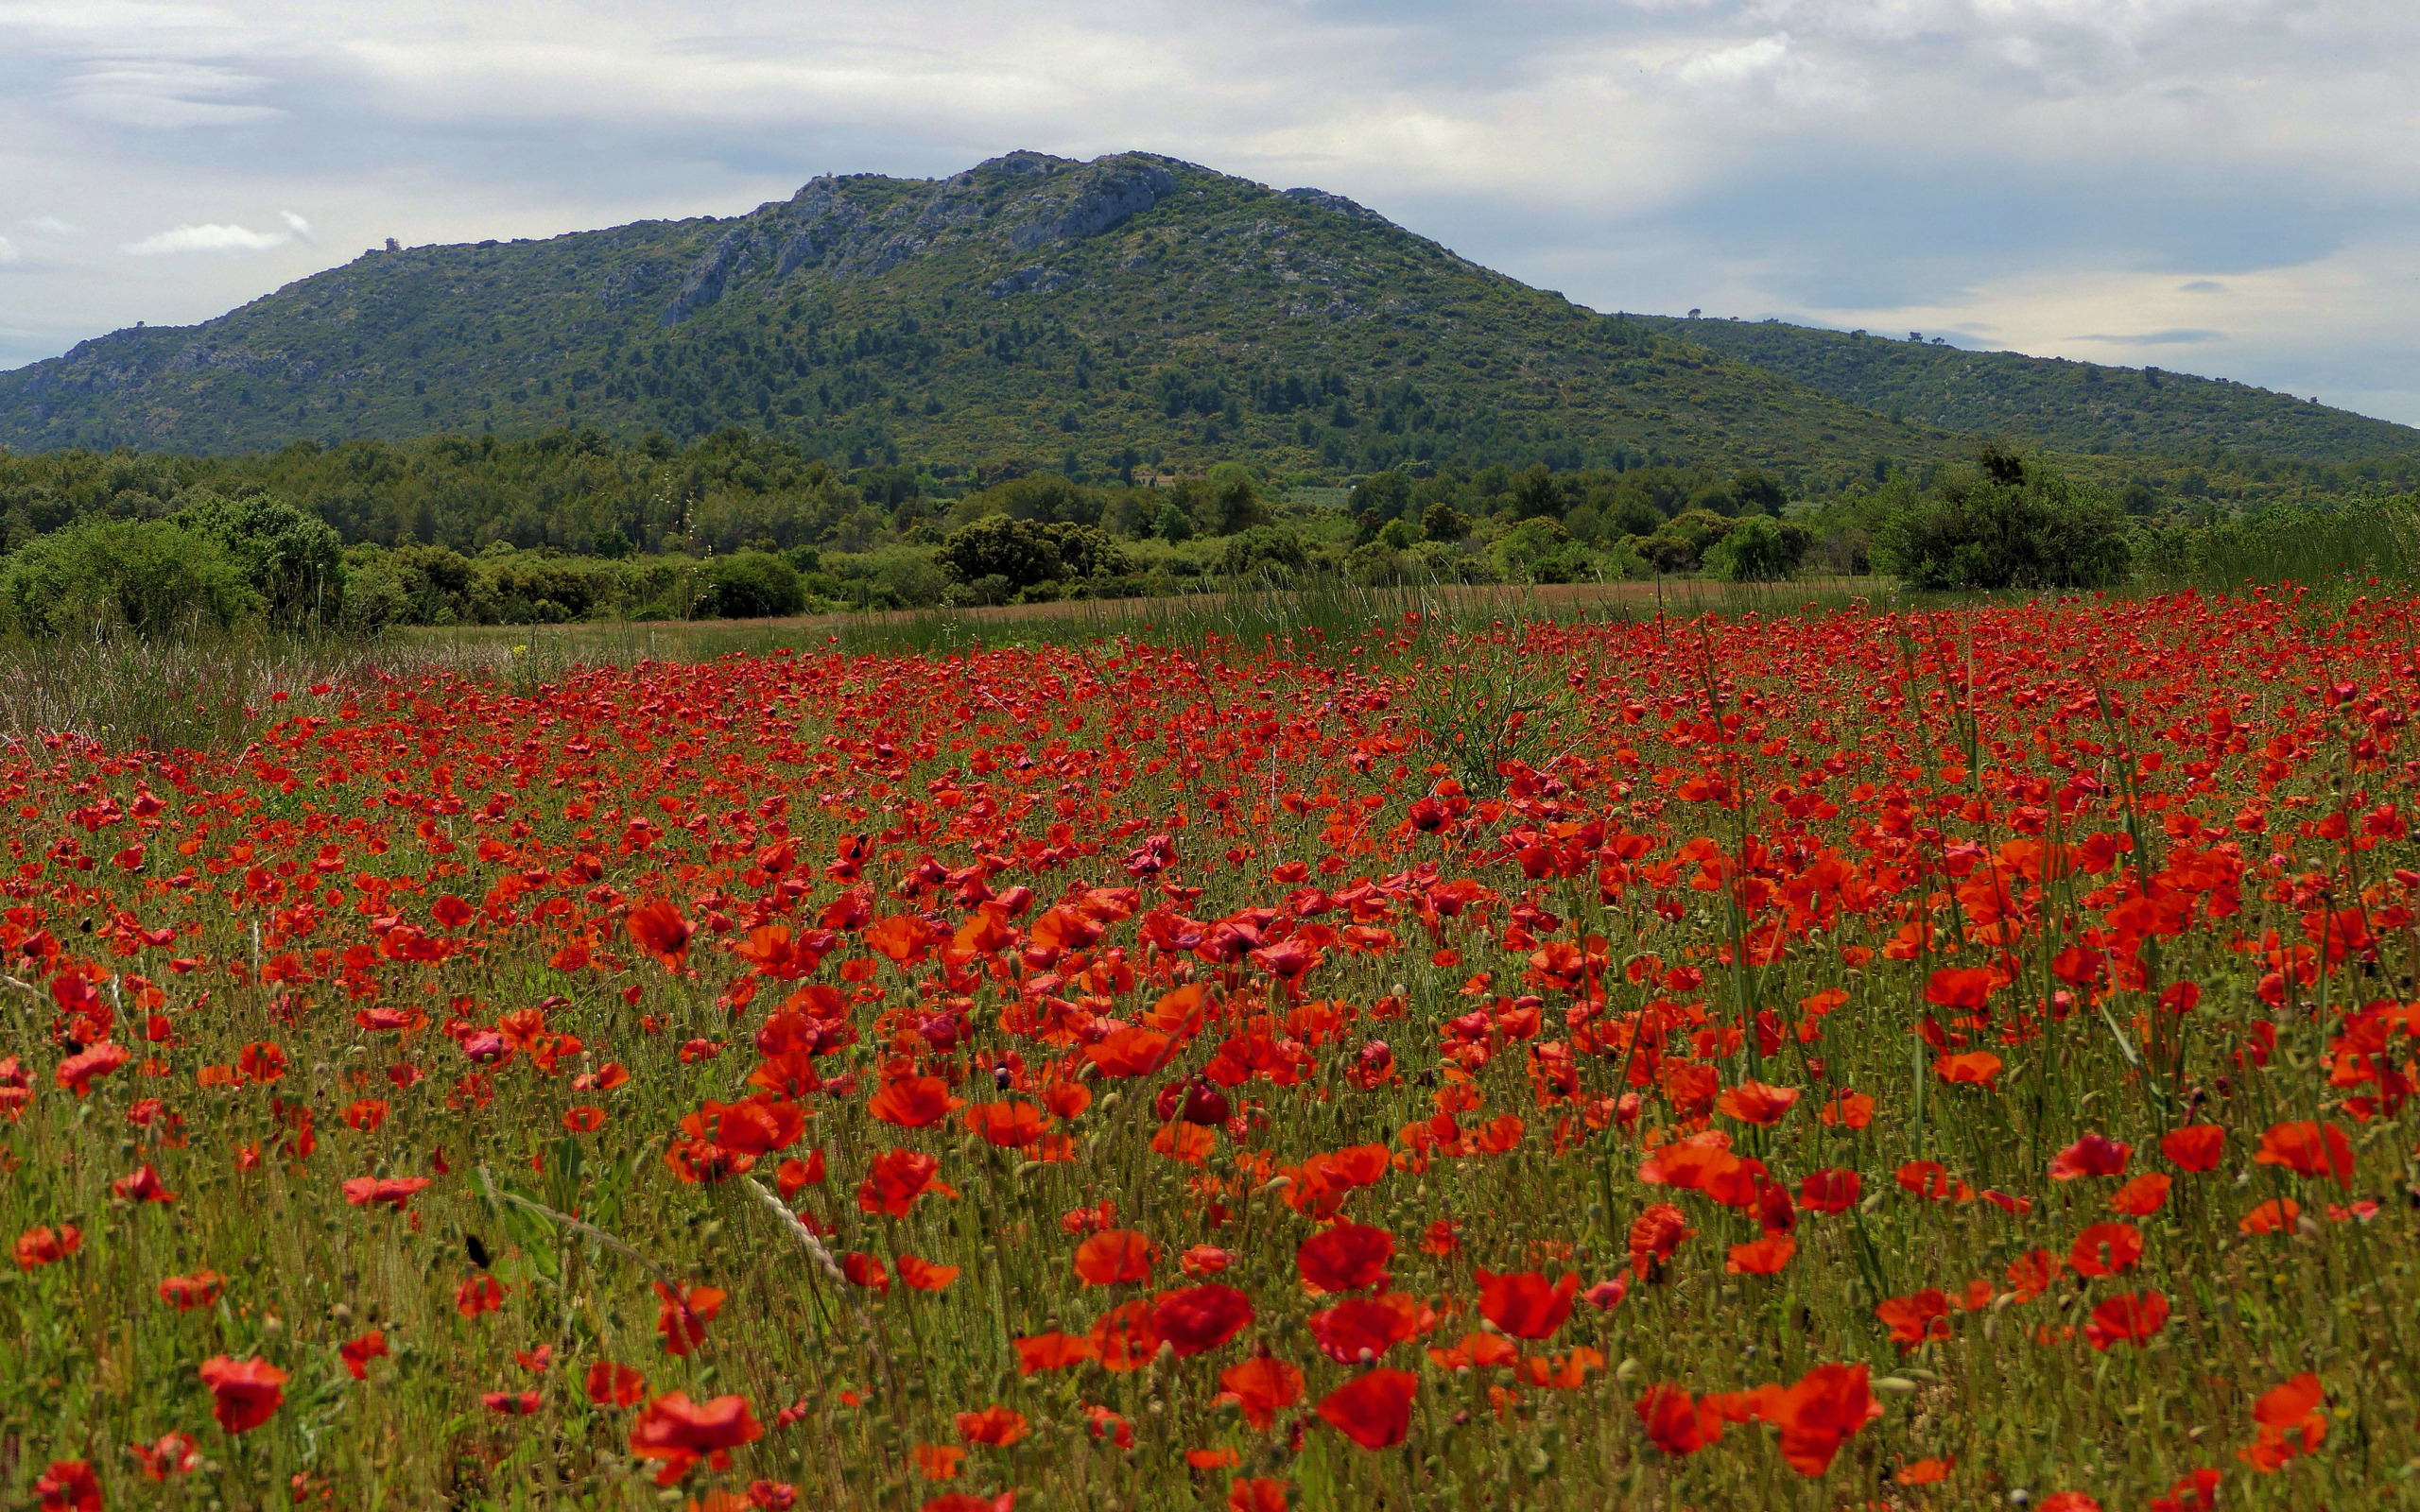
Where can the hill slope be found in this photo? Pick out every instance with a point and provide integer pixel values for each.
(1131, 308)
(2066, 406)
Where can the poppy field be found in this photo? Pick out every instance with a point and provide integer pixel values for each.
(1838, 1060)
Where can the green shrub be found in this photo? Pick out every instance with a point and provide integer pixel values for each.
(1265, 551)
(293, 560)
(1026, 552)
(2006, 525)
(1759, 550)
(749, 585)
(147, 576)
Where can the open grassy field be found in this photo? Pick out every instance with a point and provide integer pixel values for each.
(1352, 1053)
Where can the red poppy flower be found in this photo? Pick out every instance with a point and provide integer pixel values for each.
(2275, 1215)
(2092, 1155)
(244, 1394)
(1972, 1068)
(1114, 1256)
(1053, 1351)
(1262, 1387)
(914, 1102)
(393, 1191)
(1932, 1181)
(512, 1404)
(1752, 1102)
(1524, 1304)
(1124, 1338)
(1675, 1424)
(2142, 1196)
(142, 1186)
(357, 1352)
(1373, 1410)
(2195, 1148)
(1829, 1191)
(1201, 1317)
(1205, 1259)
(961, 1502)
(682, 1316)
(186, 1292)
(478, 1293)
(896, 1179)
(865, 1270)
(1131, 1051)
(78, 1072)
(1914, 1318)
(2288, 1423)
(995, 1425)
(1258, 1494)
(1829, 1406)
(2032, 1274)
(923, 1275)
(1655, 1236)
(2310, 1148)
(45, 1246)
(1361, 1328)
(69, 1485)
(1345, 1257)
(1760, 1257)
(170, 1454)
(2126, 1319)
(615, 1385)
(1011, 1125)
(658, 930)
(680, 1433)
(2106, 1249)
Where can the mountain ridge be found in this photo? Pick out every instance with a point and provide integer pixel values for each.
(1132, 309)
(2055, 401)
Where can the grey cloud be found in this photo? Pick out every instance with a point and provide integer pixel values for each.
(2159, 338)
(1804, 158)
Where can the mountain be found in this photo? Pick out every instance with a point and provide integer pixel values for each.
(2050, 402)
(1130, 309)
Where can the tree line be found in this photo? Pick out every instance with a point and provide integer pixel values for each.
(570, 525)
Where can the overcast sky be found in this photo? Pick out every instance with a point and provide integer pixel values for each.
(2228, 187)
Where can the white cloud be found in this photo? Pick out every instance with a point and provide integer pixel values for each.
(51, 226)
(1735, 65)
(221, 238)
(8, 250)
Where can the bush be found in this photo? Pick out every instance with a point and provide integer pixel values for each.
(1534, 549)
(147, 575)
(1379, 564)
(1759, 550)
(749, 585)
(1264, 550)
(1665, 551)
(407, 585)
(1026, 552)
(1989, 530)
(293, 560)
(1442, 522)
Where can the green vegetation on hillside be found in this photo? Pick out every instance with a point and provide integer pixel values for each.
(2198, 436)
(1132, 316)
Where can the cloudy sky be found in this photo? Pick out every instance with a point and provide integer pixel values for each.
(2218, 186)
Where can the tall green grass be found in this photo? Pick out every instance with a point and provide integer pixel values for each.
(2325, 548)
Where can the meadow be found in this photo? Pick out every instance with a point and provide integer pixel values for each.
(1375, 1054)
